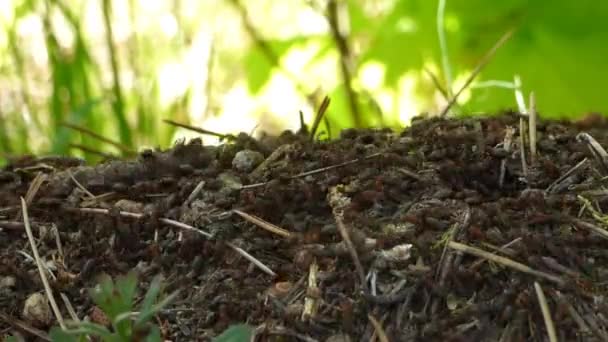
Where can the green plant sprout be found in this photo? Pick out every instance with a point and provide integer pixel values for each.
(117, 301)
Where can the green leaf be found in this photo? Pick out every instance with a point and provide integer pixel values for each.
(146, 315)
(236, 333)
(260, 62)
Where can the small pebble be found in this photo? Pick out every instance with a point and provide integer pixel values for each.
(247, 160)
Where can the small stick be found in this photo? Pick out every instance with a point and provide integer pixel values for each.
(504, 261)
(263, 224)
(478, 263)
(337, 201)
(482, 63)
(544, 307)
(45, 281)
(90, 133)
(70, 307)
(197, 129)
(33, 190)
(532, 127)
(596, 149)
(250, 257)
(92, 151)
(80, 186)
(194, 194)
(575, 168)
(318, 117)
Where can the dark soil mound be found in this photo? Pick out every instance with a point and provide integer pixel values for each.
(439, 233)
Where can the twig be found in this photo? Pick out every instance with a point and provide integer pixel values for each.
(33, 190)
(544, 307)
(318, 117)
(336, 201)
(482, 63)
(596, 149)
(99, 137)
(70, 307)
(253, 260)
(551, 188)
(264, 224)
(346, 65)
(505, 262)
(92, 151)
(45, 281)
(80, 186)
(198, 130)
(194, 194)
(479, 262)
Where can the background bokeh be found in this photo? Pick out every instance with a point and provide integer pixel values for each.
(119, 67)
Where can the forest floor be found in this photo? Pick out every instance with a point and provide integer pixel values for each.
(436, 233)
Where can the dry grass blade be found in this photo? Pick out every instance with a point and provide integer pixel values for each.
(45, 281)
(586, 225)
(263, 224)
(482, 63)
(599, 153)
(544, 306)
(319, 116)
(505, 262)
(80, 186)
(532, 125)
(311, 303)
(378, 328)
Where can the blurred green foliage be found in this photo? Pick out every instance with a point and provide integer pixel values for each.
(109, 80)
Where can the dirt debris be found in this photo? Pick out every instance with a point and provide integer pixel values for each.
(449, 228)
